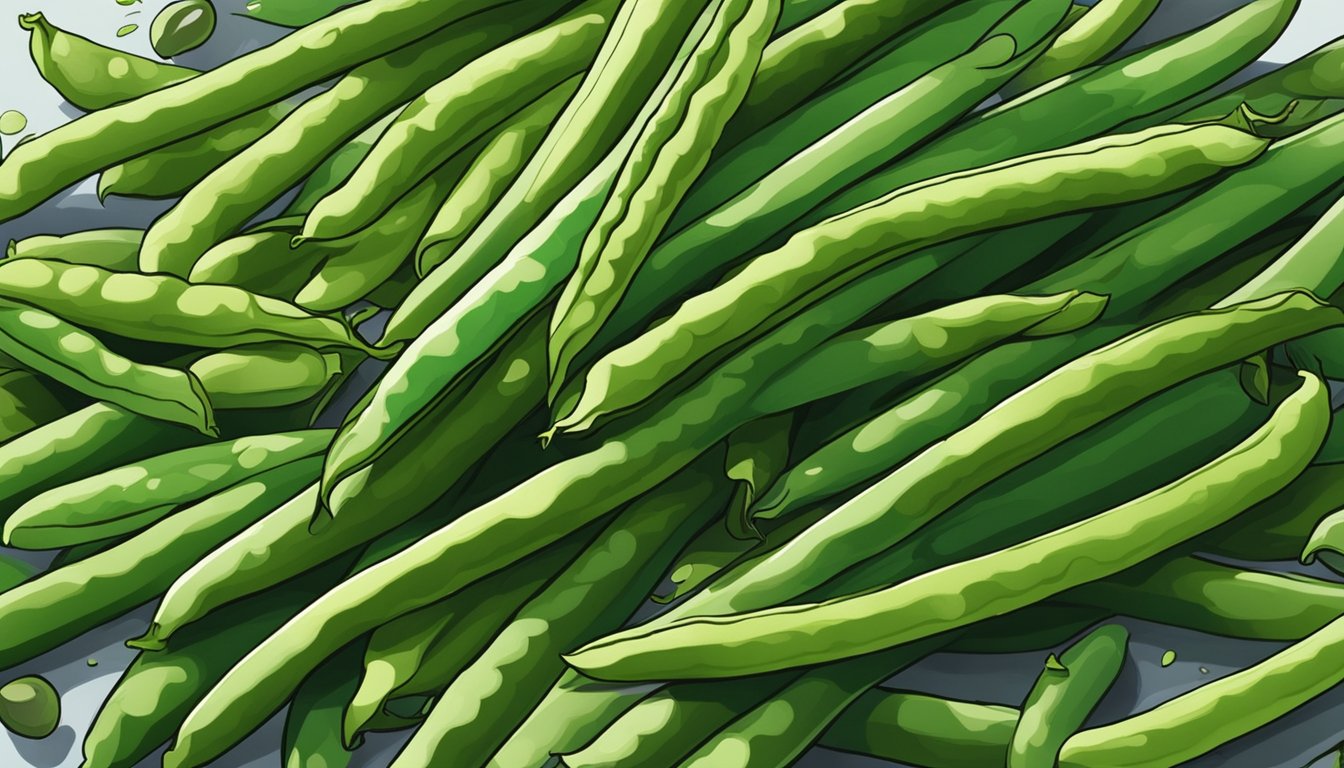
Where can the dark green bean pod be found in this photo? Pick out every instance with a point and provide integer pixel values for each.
(923, 730)
(14, 572)
(261, 262)
(62, 604)
(1088, 39)
(167, 309)
(1068, 689)
(313, 720)
(26, 402)
(113, 249)
(129, 498)
(757, 452)
(70, 356)
(38, 169)
(92, 76)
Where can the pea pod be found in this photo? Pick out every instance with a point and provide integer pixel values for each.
(1116, 170)
(672, 148)
(472, 102)
(1089, 388)
(489, 176)
(68, 355)
(266, 375)
(60, 605)
(113, 249)
(1092, 37)
(26, 403)
(129, 498)
(92, 76)
(1196, 722)
(923, 730)
(1065, 694)
(599, 589)
(167, 309)
(960, 594)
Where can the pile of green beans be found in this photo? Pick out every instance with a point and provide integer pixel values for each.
(730, 357)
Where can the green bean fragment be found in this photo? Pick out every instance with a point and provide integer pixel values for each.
(1116, 169)
(312, 723)
(68, 355)
(1065, 694)
(923, 730)
(957, 595)
(673, 147)
(1096, 34)
(112, 249)
(132, 497)
(473, 101)
(14, 572)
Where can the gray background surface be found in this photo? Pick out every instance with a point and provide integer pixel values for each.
(1294, 742)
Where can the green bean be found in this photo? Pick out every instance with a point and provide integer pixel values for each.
(1116, 170)
(757, 452)
(470, 103)
(1094, 36)
(778, 731)
(125, 731)
(129, 498)
(172, 170)
(630, 68)
(923, 730)
(68, 355)
(34, 172)
(1099, 98)
(14, 572)
(266, 375)
(597, 591)
(60, 605)
(425, 650)
(113, 249)
(335, 169)
(384, 495)
(166, 309)
(1196, 722)
(542, 509)
(795, 12)
(490, 175)
(232, 194)
(919, 345)
(671, 150)
(312, 723)
(1005, 437)
(262, 262)
(294, 15)
(957, 595)
(1065, 694)
(92, 76)
(26, 403)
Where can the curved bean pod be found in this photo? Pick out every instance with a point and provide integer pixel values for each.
(266, 375)
(957, 595)
(1092, 37)
(263, 262)
(113, 249)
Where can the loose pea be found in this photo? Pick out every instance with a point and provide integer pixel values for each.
(30, 707)
(12, 122)
(182, 26)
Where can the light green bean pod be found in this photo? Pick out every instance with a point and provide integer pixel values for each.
(113, 249)
(1089, 39)
(1106, 171)
(266, 375)
(669, 153)
(957, 595)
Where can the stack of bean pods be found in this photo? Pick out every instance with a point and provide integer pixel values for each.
(737, 355)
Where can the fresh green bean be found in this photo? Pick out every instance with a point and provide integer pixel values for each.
(26, 403)
(292, 14)
(630, 68)
(469, 104)
(60, 605)
(490, 175)
(1116, 170)
(37, 169)
(262, 262)
(982, 587)
(266, 375)
(167, 309)
(597, 591)
(919, 345)
(113, 249)
(1196, 722)
(672, 148)
(132, 497)
(68, 355)
(1005, 437)
(757, 452)
(1099, 98)
(335, 169)
(125, 730)
(923, 730)
(1095, 35)
(232, 194)
(92, 76)
(384, 495)
(1065, 694)
(312, 723)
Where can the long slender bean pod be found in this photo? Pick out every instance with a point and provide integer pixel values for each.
(1065, 694)
(1116, 170)
(1097, 33)
(113, 249)
(993, 584)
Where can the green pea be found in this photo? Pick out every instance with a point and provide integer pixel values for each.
(182, 26)
(12, 122)
(30, 707)
(127, 29)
